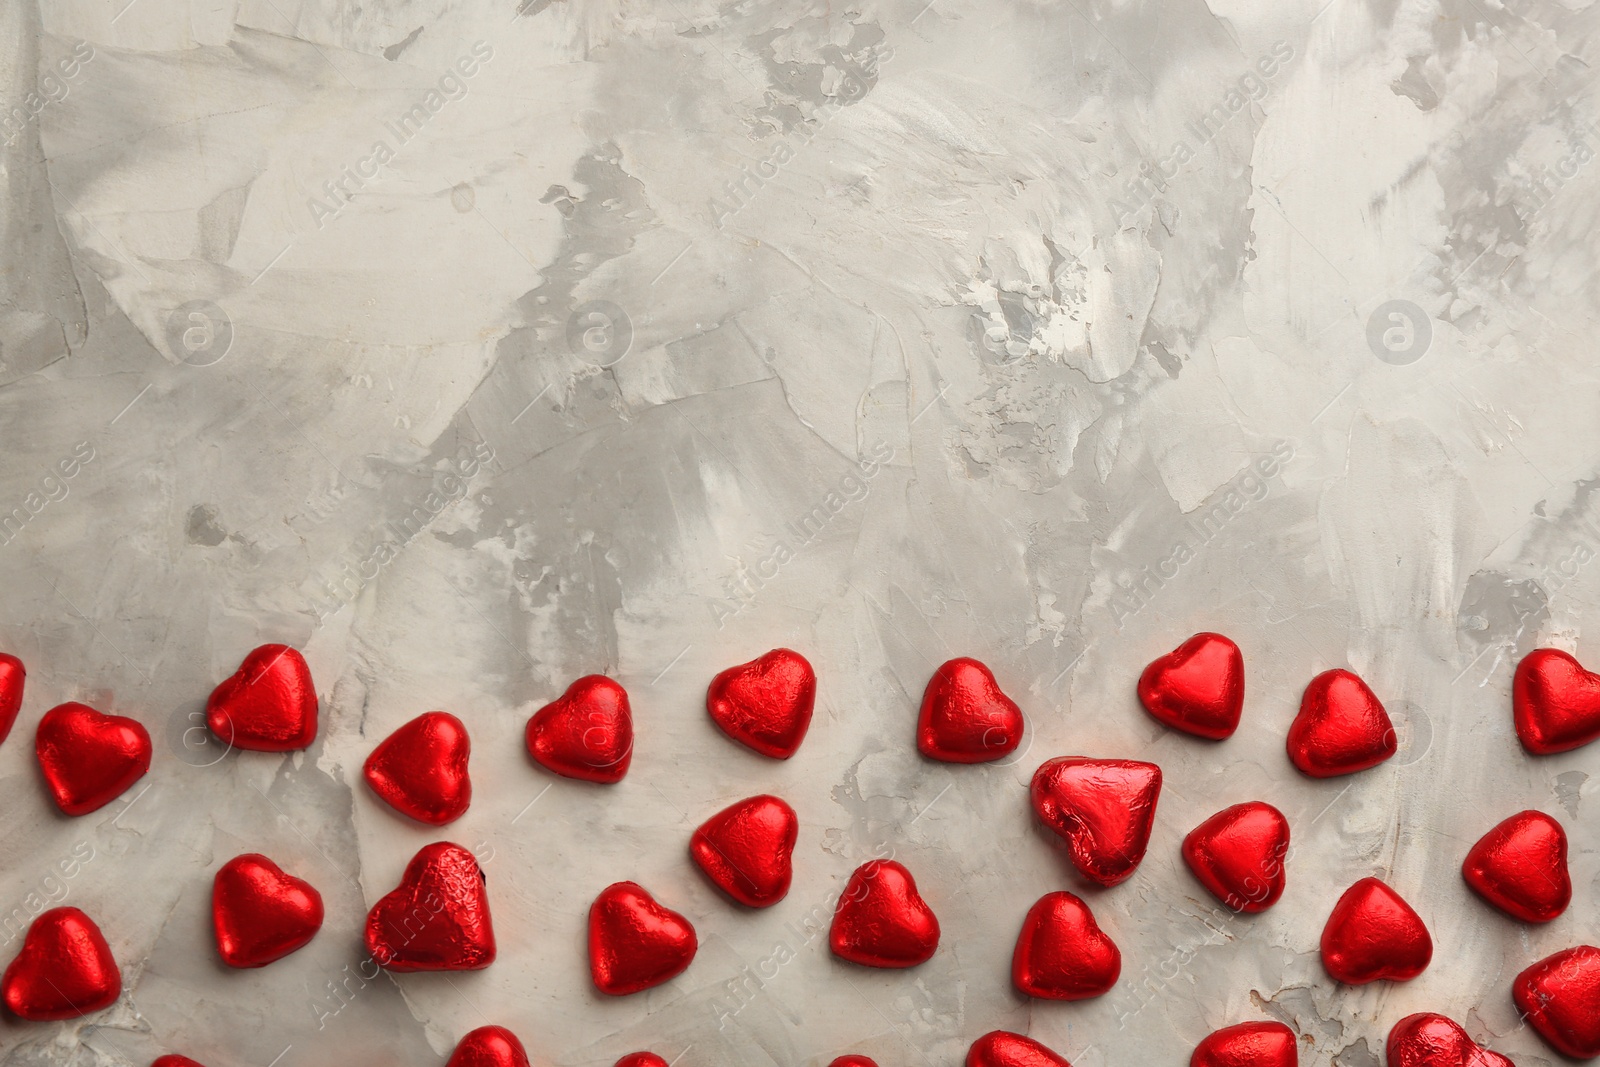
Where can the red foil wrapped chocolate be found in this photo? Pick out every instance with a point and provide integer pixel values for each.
(1103, 809)
(765, 704)
(420, 770)
(64, 970)
(261, 914)
(1198, 687)
(89, 759)
(586, 733)
(438, 917)
(268, 705)
(965, 718)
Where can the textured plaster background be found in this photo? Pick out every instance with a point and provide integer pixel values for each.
(1066, 322)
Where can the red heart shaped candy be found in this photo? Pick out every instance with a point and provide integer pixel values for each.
(1341, 728)
(642, 1059)
(489, 1046)
(1560, 997)
(1254, 1044)
(765, 704)
(89, 759)
(64, 970)
(420, 770)
(172, 1059)
(965, 718)
(881, 920)
(746, 850)
(853, 1061)
(1373, 934)
(1555, 703)
(635, 943)
(261, 914)
(1001, 1048)
(437, 919)
(586, 733)
(268, 704)
(1238, 855)
(1062, 954)
(1198, 687)
(1429, 1040)
(1521, 867)
(1102, 808)
(12, 676)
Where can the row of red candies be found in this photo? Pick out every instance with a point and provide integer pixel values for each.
(965, 718)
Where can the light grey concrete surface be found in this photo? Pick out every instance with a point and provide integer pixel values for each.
(472, 349)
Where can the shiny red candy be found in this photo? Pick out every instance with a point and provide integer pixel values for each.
(1372, 935)
(1001, 1048)
(642, 1059)
(634, 942)
(1560, 997)
(438, 917)
(853, 1061)
(965, 718)
(1521, 867)
(746, 850)
(1254, 1044)
(1062, 954)
(12, 675)
(420, 770)
(1429, 1040)
(1198, 687)
(586, 733)
(64, 970)
(489, 1046)
(1555, 703)
(1341, 728)
(881, 920)
(173, 1060)
(1102, 808)
(765, 704)
(1238, 855)
(267, 705)
(261, 914)
(89, 759)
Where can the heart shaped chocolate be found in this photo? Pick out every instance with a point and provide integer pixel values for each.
(420, 770)
(172, 1059)
(1238, 855)
(89, 759)
(642, 1059)
(881, 920)
(12, 676)
(765, 704)
(1560, 998)
(1253, 1044)
(965, 718)
(1555, 703)
(261, 914)
(64, 970)
(1520, 867)
(1429, 1040)
(267, 705)
(1342, 728)
(1373, 934)
(586, 733)
(437, 919)
(1198, 687)
(746, 850)
(1001, 1048)
(489, 1046)
(853, 1061)
(1102, 808)
(1062, 954)
(635, 943)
